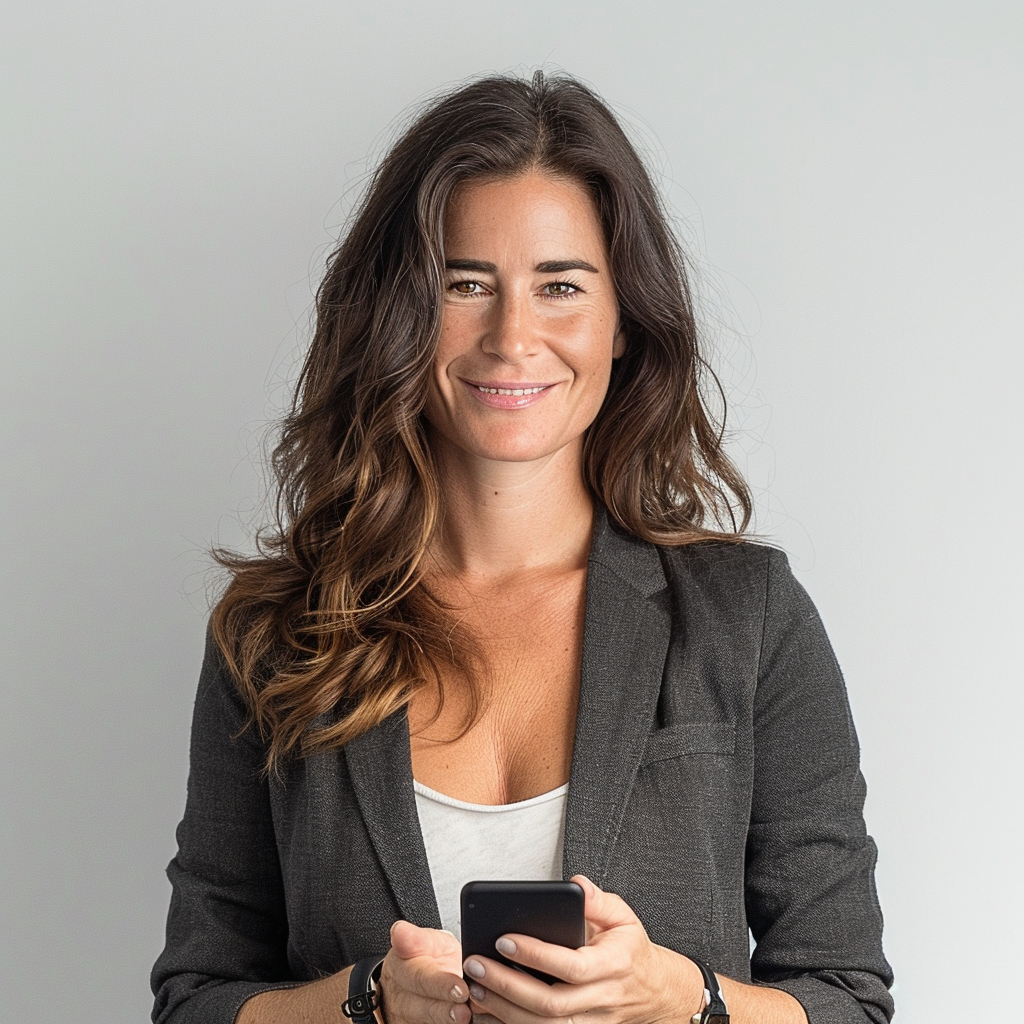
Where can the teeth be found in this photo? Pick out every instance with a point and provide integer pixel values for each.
(509, 391)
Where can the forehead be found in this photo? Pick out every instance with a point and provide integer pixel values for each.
(535, 213)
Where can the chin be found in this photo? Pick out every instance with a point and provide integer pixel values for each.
(523, 451)
(509, 445)
(509, 453)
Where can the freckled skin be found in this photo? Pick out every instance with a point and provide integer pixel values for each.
(529, 300)
(515, 323)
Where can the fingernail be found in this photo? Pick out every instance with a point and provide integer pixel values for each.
(456, 994)
(475, 968)
(477, 992)
(506, 946)
(451, 1013)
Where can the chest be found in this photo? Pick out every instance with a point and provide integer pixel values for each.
(526, 681)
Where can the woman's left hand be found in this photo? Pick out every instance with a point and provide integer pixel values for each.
(619, 977)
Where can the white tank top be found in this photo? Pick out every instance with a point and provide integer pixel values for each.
(484, 842)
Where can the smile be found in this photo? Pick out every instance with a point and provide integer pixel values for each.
(509, 398)
(510, 391)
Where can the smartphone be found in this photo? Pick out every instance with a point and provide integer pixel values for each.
(550, 911)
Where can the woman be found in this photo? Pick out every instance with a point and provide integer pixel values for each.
(509, 585)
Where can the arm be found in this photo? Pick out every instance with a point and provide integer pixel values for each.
(317, 1002)
(225, 960)
(420, 982)
(227, 926)
(810, 894)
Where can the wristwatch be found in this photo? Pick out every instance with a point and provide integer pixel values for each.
(714, 1011)
(363, 995)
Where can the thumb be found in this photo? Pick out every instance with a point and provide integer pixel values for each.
(409, 940)
(603, 910)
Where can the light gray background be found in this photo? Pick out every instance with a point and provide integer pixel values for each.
(848, 176)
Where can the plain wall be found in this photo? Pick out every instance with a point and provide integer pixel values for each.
(848, 178)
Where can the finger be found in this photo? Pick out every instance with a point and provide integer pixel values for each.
(422, 977)
(490, 1008)
(603, 909)
(545, 1007)
(573, 966)
(610, 955)
(409, 940)
(407, 1006)
(507, 993)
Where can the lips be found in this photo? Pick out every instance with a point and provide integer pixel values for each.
(508, 387)
(508, 391)
(508, 394)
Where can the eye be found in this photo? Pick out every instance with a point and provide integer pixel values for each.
(560, 289)
(468, 288)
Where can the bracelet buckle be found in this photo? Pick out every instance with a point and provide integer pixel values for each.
(361, 1005)
(363, 994)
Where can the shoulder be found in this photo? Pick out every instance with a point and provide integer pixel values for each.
(738, 575)
(717, 558)
(221, 718)
(741, 576)
(646, 566)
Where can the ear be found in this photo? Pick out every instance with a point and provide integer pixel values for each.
(619, 342)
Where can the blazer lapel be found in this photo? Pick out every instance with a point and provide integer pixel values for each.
(625, 640)
(380, 767)
(626, 631)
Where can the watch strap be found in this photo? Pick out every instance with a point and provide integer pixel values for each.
(363, 996)
(714, 1011)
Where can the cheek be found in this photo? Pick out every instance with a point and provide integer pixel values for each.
(443, 386)
(448, 350)
(459, 321)
(435, 406)
(602, 356)
(593, 351)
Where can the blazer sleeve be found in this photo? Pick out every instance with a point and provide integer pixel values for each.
(810, 894)
(226, 928)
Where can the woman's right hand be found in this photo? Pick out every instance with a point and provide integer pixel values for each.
(421, 978)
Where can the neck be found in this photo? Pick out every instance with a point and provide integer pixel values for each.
(509, 517)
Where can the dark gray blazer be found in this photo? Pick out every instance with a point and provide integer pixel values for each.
(714, 786)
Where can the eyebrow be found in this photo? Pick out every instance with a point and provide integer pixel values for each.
(547, 267)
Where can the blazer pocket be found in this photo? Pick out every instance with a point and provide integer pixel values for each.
(690, 738)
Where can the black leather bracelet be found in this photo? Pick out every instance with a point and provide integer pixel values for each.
(363, 997)
(714, 1011)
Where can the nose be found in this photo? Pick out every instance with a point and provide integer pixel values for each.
(511, 330)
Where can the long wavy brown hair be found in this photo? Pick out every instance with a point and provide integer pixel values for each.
(327, 630)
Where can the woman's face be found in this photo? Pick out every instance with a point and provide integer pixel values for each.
(529, 323)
